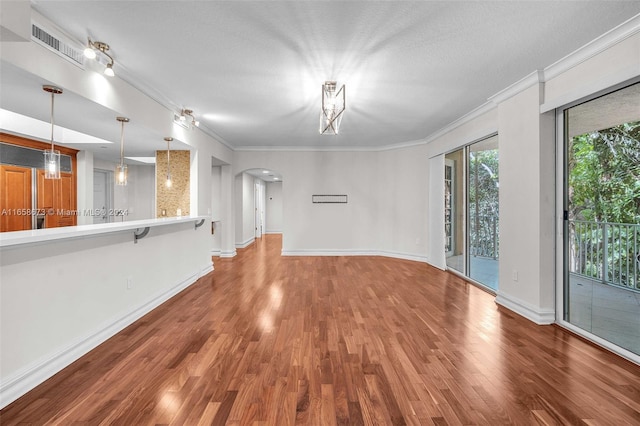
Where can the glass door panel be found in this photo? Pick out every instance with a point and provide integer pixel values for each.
(602, 211)
(483, 238)
(454, 210)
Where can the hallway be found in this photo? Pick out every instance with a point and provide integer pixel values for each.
(274, 340)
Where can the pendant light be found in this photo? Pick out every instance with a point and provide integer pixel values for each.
(333, 106)
(52, 157)
(168, 182)
(121, 169)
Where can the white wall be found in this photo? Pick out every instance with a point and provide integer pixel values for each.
(84, 184)
(527, 192)
(60, 299)
(245, 208)
(367, 178)
(402, 212)
(216, 209)
(273, 208)
(138, 196)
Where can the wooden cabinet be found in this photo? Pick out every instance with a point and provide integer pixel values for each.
(15, 198)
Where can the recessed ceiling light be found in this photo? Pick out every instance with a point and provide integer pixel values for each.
(265, 171)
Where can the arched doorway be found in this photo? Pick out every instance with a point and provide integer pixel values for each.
(258, 195)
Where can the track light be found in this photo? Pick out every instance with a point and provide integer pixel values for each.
(182, 119)
(90, 53)
(108, 71)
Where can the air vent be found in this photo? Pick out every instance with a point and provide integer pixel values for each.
(57, 45)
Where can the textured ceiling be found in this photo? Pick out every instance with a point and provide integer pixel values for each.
(252, 71)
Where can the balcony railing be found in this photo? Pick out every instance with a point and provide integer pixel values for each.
(607, 252)
(483, 232)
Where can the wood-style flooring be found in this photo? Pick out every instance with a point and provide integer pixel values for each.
(271, 340)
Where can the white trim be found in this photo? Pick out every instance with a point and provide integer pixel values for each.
(523, 84)
(401, 145)
(31, 376)
(633, 357)
(593, 48)
(525, 309)
(207, 269)
(400, 255)
(559, 228)
(470, 116)
(605, 82)
(228, 253)
(330, 148)
(216, 252)
(273, 232)
(338, 252)
(328, 252)
(245, 243)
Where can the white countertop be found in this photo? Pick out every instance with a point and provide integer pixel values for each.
(8, 239)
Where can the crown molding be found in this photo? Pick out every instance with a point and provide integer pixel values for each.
(285, 148)
(472, 115)
(523, 84)
(593, 48)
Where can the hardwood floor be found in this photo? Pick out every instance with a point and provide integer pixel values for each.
(273, 340)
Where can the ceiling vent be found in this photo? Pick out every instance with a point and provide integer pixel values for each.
(57, 44)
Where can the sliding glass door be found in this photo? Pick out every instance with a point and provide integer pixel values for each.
(454, 214)
(602, 217)
(471, 211)
(483, 212)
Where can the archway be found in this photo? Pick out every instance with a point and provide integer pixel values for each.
(258, 202)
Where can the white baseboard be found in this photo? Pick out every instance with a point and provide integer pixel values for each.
(396, 255)
(272, 232)
(226, 253)
(216, 252)
(405, 256)
(22, 382)
(208, 268)
(245, 243)
(533, 313)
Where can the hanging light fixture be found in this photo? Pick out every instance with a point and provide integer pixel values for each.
(90, 53)
(52, 157)
(121, 169)
(333, 106)
(168, 182)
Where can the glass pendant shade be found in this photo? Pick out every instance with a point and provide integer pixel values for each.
(333, 106)
(121, 169)
(51, 164)
(121, 174)
(168, 182)
(51, 156)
